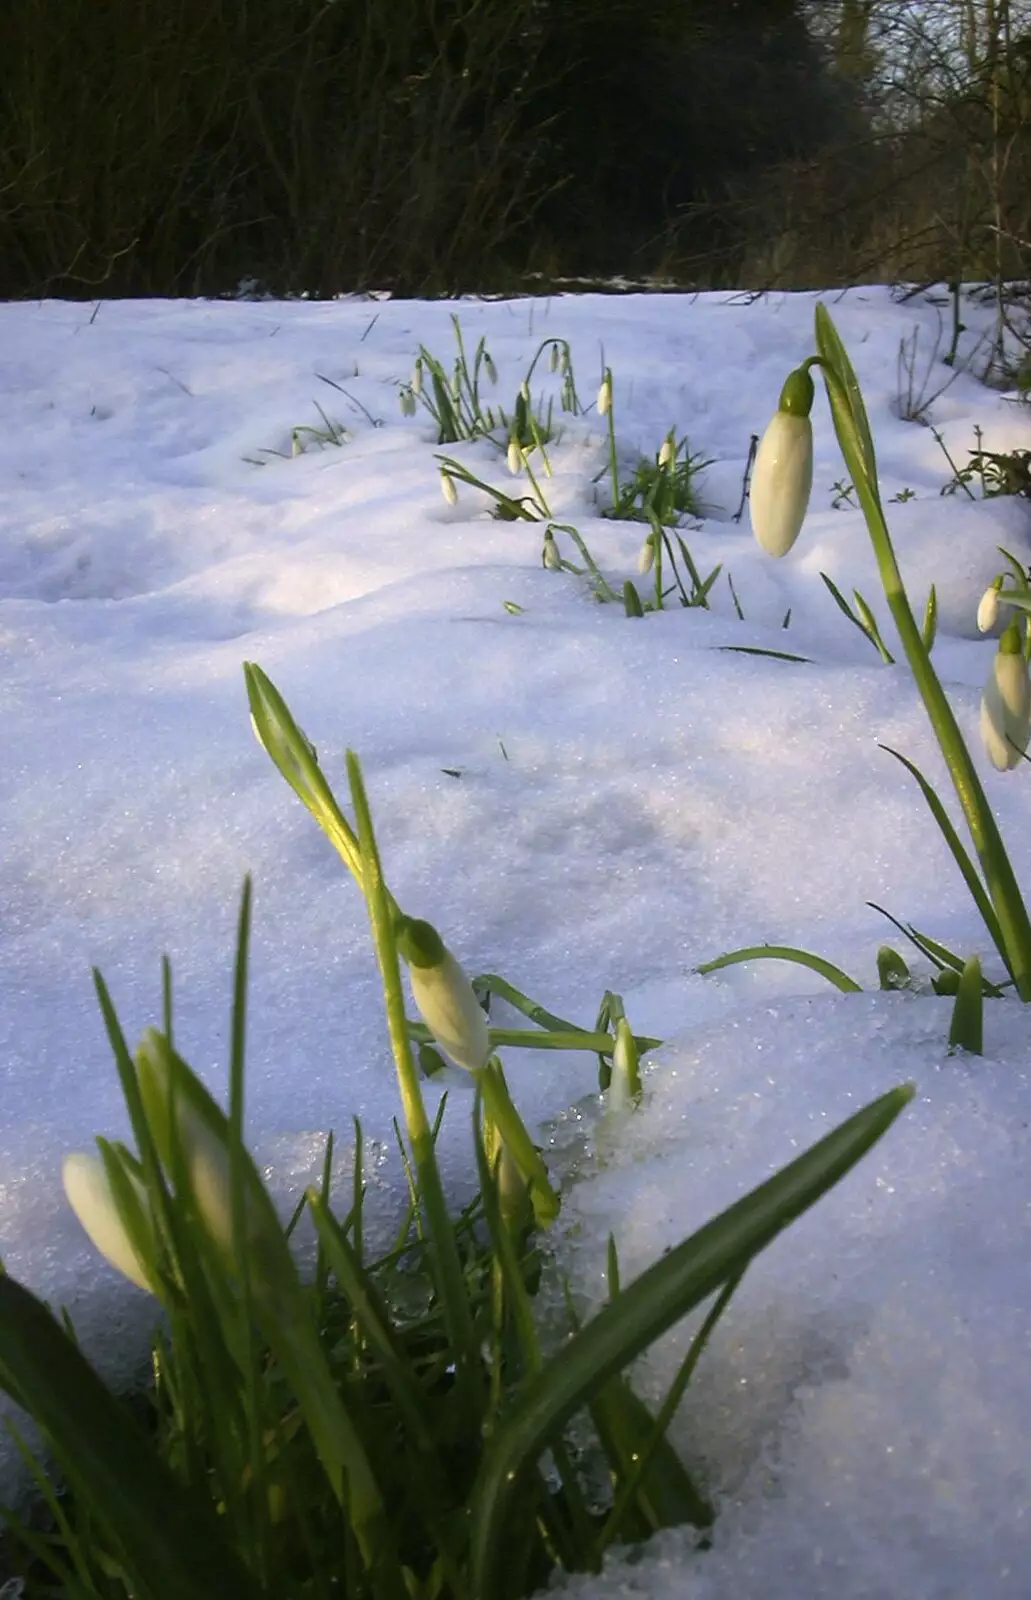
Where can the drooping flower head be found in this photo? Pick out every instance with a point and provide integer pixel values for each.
(782, 479)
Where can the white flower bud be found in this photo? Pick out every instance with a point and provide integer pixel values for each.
(524, 391)
(668, 451)
(515, 457)
(447, 485)
(407, 401)
(88, 1189)
(553, 358)
(1006, 703)
(988, 610)
(417, 377)
(646, 555)
(489, 367)
(625, 1084)
(550, 554)
(446, 999)
(605, 395)
(783, 475)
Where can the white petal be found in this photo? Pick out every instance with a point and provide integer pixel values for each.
(781, 482)
(448, 1005)
(89, 1195)
(988, 610)
(1006, 711)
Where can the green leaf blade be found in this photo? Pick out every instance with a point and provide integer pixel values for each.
(663, 1294)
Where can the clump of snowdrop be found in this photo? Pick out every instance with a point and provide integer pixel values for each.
(780, 492)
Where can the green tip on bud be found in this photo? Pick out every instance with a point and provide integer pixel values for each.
(419, 942)
(550, 557)
(892, 971)
(489, 367)
(796, 397)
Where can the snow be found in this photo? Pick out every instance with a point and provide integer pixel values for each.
(633, 800)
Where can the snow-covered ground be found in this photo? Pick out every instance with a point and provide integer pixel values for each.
(625, 800)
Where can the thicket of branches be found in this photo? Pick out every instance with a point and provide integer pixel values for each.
(432, 146)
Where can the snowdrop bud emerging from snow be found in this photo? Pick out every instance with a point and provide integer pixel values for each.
(407, 399)
(988, 610)
(489, 368)
(605, 395)
(89, 1194)
(417, 377)
(515, 457)
(550, 557)
(446, 999)
(668, 451)
(512, 1186)
(646, 556)
(524, 390)
(447, 485)
(625, 1084)
(206, 1155)
(783, 475)
(553, 358)
(1006, 703)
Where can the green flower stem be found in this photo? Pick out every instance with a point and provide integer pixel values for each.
(444, 1253)
(544, 1039)
(853, 436)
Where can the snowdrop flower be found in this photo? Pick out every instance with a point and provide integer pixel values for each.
(489, 367)
(446, 999)
(646, 555)
(605, 395)
(417, 377)
(524, 392)
(90, 1196)
(447, 485)
(553, 358)
(783, 475)
(515, 457)
(407, 401)
(668, 451)
(988, 610)
(1006, 703)
(550, 557)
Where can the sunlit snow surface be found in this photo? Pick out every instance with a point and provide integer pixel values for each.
(631, 802)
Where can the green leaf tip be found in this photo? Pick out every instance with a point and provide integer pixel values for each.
(419, 943)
